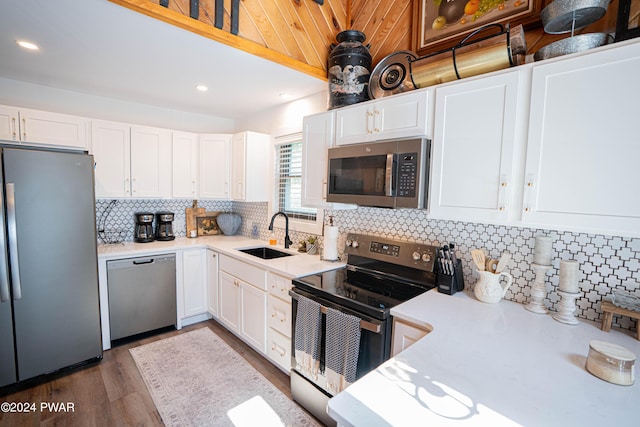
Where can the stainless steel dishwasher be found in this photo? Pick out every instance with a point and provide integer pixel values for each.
(142, 294)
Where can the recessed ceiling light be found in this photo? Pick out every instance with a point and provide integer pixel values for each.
(27, 45)
(202, 88)
(285, 96)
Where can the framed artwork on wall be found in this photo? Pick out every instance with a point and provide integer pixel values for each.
(441, 24)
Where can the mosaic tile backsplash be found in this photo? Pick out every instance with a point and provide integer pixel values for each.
(606, 262)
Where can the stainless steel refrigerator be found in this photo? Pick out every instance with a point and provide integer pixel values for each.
(49, 300)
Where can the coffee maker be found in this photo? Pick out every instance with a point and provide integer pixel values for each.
(143, 232)
(164, 226)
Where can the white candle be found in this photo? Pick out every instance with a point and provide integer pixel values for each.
(569, 276)
(542, 251)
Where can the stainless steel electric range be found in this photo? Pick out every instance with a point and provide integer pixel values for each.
(380, 273)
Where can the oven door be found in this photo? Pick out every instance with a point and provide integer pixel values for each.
(374, 348)
(375, 334)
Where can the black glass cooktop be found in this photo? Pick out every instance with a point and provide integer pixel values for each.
(369, 292)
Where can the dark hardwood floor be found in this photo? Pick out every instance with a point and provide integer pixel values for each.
(111, 392)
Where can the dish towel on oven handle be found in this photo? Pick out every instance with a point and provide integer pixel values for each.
(307, 337)
(342, 350)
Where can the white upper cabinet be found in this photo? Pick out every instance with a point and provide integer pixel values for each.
(185, 165)
(250, 167)
(398, 116)
(131, 161)
(215, 158)
(41, 127)
(111, 147)
(582, 155)
(9, 124)
(150, 162)
(477, 125)
(318, 132)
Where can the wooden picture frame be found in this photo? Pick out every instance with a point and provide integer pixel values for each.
(207, 225)
(623, 32)
(426, 39)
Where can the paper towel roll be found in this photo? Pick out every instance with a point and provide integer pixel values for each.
(330, 250)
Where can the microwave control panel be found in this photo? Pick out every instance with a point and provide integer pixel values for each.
(407, 174)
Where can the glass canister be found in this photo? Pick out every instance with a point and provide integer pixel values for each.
(349, 67)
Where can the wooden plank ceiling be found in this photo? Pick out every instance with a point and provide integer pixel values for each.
(299, 33)
(295, 33)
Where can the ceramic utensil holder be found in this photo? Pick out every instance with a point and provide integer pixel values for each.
(566, 308)
(538, 289)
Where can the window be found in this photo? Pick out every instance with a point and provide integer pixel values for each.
(288, 186)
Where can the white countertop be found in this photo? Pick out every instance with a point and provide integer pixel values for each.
(490, 365)
(300, 264)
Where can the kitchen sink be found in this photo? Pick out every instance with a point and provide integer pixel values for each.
(265, 252)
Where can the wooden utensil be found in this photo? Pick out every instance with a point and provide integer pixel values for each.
(478, 259)
(504, 260)
(190, 216)
(491, 265)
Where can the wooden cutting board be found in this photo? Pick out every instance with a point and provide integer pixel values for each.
(190, 216)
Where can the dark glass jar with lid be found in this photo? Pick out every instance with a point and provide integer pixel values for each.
(349, 67)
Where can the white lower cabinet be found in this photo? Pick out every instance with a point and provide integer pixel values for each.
(279, 321)
(405, 334)
(194, 286)
(243, 300)
(212, 282)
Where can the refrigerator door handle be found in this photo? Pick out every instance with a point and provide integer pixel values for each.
(4, 273)
(13, 241)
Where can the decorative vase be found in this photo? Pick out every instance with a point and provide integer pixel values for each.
(349, 68)
(229, 223)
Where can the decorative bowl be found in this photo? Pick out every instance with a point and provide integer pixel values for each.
(229, 223)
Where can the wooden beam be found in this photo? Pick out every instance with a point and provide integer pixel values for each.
(174, 18)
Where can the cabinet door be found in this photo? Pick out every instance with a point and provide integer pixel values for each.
(53, 129)
(214, 166)
(150, 162)
(238, 166)
(582, 156)
(401, 116)
(110, 146)
(473, 146)
(354, 124)
(194, 282)
(253, 311)
(318, 137)
(250, 167)
(212, 282)
(185, 165)
(9, 124)
(405, 335)
(228, 288)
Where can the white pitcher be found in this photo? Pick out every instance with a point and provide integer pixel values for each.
(489, 288)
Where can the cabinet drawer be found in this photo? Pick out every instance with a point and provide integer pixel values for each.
(279, 286)
(279, 316)
(245, 272)
(279, 349)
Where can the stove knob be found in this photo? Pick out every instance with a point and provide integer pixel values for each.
(416, 256)
(355, 244)
(426, 257)
(348, 242)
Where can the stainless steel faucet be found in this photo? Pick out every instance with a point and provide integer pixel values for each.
(287, 240)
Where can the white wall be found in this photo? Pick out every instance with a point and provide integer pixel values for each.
(285, 119)
(37, 97)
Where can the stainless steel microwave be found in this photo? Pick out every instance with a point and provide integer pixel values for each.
(390, 174)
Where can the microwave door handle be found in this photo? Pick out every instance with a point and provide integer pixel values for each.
(388, 176)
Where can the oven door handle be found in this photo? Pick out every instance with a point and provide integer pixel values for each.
(364, 324)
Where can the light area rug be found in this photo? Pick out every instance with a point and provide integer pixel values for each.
(196, 379)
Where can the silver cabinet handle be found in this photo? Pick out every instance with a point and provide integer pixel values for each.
(13, 241)
(4, 273)
(13, 126)
(24, 129)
